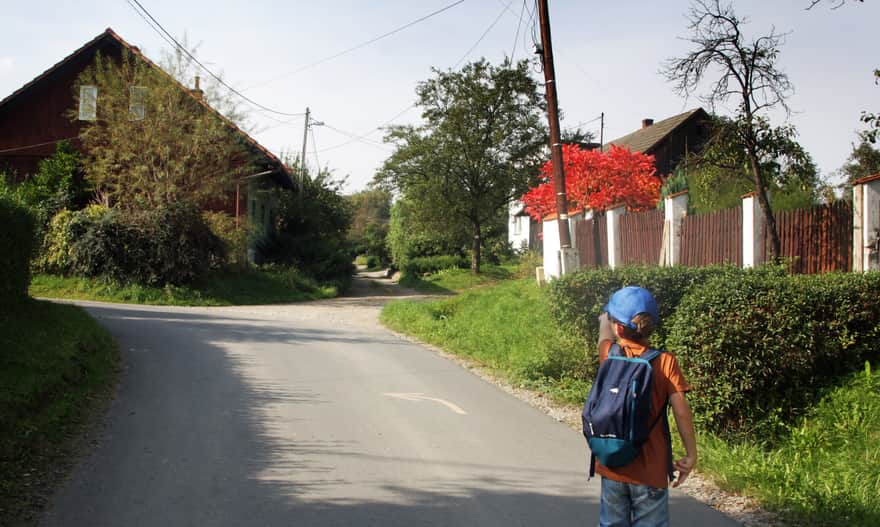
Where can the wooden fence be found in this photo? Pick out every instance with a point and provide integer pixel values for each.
(817, 240)
(641, 237)
(585, 232)
(712, 238)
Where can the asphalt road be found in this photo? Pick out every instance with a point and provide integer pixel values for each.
(313, 415)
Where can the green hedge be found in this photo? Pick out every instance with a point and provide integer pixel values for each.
(431, 264)
(760, 349)
(759, 346)
(16, 246)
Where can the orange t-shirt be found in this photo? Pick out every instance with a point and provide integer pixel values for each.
(651, 467)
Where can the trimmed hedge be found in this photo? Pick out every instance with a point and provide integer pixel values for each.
(758, 345)
(759, 350)
(431, 264)
(16, 246)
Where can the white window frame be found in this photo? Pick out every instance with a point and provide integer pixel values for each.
(137, 103)
(88, 102)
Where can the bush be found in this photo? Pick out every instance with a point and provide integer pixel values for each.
(171, 244)
(62, 232)
(431, 264)
(759, 348)
(16, 245)
(236, 237)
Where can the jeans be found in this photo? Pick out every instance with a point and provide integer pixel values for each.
(628, 505)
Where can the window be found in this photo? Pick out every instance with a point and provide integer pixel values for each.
(88, 103)
(137, 103)
(517, 225)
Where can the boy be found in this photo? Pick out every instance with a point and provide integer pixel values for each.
(636, 495)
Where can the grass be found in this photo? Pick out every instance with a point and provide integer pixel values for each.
(449, 280)
(220, 288)
(507, 328)
(825, 471)
(56, 365)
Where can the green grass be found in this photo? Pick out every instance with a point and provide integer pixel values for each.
(507, 328)
(824, 472)
(220, 288)
(449, 280)
(56, 364)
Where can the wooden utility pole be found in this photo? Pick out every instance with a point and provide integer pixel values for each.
(553, 117)
(302, 160)
(601, 131)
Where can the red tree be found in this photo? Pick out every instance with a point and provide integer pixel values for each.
(597, 180)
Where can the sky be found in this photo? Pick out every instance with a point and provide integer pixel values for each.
(288, 56)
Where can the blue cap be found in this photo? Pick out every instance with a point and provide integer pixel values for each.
(628, 302)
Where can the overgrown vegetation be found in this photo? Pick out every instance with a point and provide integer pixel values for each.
(16, 242)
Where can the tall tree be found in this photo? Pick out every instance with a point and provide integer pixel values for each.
(152, 142)
(862, 162)
(747, 74)
(478, 148)
(720, 173)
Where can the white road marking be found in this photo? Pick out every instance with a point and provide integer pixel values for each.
(422, 397)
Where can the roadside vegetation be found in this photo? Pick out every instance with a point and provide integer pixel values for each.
(784, 393)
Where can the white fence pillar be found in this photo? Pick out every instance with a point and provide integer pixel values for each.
(612, 224)
(752, 230)
(674, 211)
(866, 223)
(553, 264)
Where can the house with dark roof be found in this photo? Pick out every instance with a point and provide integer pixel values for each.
(35, 118)
(669, 140)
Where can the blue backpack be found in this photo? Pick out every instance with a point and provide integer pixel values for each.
(617, 413)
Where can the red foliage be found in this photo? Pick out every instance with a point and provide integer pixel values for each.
(597, 180)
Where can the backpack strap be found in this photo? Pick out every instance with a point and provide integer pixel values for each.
(649, 356)
(615, 350)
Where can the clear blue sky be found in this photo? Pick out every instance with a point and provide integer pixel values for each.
(607, 58)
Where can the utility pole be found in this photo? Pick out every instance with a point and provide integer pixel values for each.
(566, 252)
(302, 160)
(601, 131)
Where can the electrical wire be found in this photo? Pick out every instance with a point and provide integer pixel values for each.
(27, 147)
(353, 48)
(179, 46)
(486, 32)
(516, 35)
(315, 151)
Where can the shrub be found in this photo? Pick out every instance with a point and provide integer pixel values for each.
(16, 245)
(62, 232)
(236, 237)
(758, 348)
(171, 244)
(431, 264)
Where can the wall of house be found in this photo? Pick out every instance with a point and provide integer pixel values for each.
(689, 137)
(40, 115)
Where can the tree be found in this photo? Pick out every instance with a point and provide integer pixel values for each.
(597, 180)
(152, 142)
(862, 162)
(748, 75)
(369, 227)
(477, 149)
(720, 174)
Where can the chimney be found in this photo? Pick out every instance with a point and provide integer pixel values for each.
(647, 122)
(197, 91)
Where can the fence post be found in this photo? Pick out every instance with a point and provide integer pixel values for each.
(674, 210)
(866, 223)
(612, 226)
(752, 230)
(553, 255)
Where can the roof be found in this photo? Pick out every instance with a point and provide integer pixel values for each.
(110, 36)
(646, 139)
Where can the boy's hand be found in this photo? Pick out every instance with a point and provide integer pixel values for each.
(684, 466)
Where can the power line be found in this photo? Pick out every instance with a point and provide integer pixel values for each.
(516, 35)
(27, 147)
(486, 32)
(353, 48)
(179, 46)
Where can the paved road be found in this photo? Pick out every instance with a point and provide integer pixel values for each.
(313, 415)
